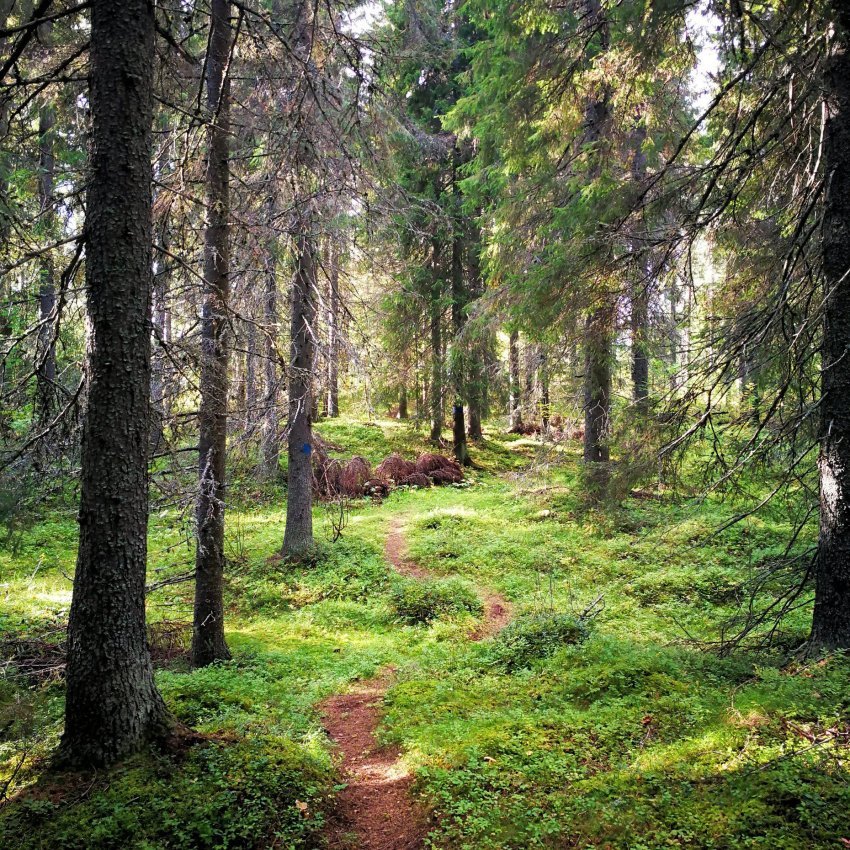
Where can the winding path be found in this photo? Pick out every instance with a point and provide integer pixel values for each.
(375, 811)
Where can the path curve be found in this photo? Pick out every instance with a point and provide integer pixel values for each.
(375, 810)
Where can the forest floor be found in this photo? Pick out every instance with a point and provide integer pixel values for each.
(621, 731)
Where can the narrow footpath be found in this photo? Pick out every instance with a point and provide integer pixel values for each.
(375, 811)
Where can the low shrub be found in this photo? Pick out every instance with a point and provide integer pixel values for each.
(260, 792)
(424, 601)
(533, 636)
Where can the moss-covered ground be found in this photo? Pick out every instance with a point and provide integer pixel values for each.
(633, 736)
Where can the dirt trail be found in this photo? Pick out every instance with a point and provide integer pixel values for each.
(375, 810)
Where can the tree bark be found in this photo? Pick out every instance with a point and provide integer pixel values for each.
(599, 327)
(515, 413)
(208, 642)
(598, 344)
(544, 389)
(402, 402)
(458, 359)
(251, 394)
(270, 440)
(46, 356)
(831, 619)
(298, 535)
(436, 386)
(112, 707)
(640, 288)
(333, 335)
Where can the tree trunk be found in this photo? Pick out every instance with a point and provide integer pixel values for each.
(476, 384)
(298, 535)
(208, 643)
(515, 412)
(458, 359)
(112, 707)
(476, 394)
(251, 394)
(402, 402)
(640, 350)
(831, 620)
(270, 441)
(544, 389)
(436, 387)
(46, 357)
(597, 393)
(640, 288)
(333, 336)
(530, 365)
(599, 327)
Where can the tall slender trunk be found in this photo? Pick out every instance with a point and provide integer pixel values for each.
(112, 706)
(208, 642)
(333, 335)
(270, 440)
(831, 619)
(515, 413)
(640, 349)
(476, 393)
(599, 326)
(598, 344)
(251, 390)
(476, 384)
(458, 360)
(544, 389)
(46, 356)
(640, 286)
(298, 535)
(161, 391)
(530, 366)
(402, 402)
(436, 386)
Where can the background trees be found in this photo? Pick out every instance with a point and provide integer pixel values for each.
(465, 212)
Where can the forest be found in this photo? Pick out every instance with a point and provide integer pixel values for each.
(424, 424)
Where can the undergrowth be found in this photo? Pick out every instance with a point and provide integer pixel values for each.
(620, 733)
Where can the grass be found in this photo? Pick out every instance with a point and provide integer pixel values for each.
(624, 735)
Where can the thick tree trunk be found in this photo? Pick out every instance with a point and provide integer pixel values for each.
(515, 412)
(208, 643)
(46, 356)
(831, 620)
(298, 535)
(112, 707)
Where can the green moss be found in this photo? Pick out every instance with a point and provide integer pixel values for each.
(544, 737)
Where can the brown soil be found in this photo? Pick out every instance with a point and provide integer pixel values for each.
(375, 810)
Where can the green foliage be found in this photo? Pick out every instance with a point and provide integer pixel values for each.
(543, 737)
(218, 796)
(534, 636)
(421, 601)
